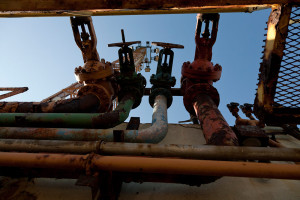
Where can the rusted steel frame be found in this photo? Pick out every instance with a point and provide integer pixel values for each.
(107, 12)
(150, 165)
(270, 67)
(36, 5)
(203, 152)
(75, 120)
(215, 128)
(85, 104)
(153, 134)
(14, 91)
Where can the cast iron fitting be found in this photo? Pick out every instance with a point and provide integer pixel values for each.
(103, 91)
(86, 41)
(192, 91)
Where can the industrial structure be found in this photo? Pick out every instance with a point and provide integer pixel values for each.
(75, 143)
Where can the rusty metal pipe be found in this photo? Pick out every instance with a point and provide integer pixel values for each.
(153, 134)
(49, 146)
(85, 104)
(151, 165)
(203, 152)
(215, 128)
(75, 120)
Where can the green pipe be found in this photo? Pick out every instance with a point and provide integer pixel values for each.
(70, 120)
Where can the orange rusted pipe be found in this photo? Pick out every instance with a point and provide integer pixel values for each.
(197, 167)
(42, 160)
(151, 165)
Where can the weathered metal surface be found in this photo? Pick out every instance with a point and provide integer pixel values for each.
(159, 127)
(49, 146)
(233, 108)
(278, 88)
(174, 92)
(78, 120)
(154, 134)
(150, 165)
(202, 68)
(85, 104)
(200, 97)
(35, 5)
(103, 12)
(215, 129)
(14, 91)
(203, 152)
(251, 136)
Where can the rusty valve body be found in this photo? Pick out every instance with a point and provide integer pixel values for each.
(199, 96)
(198, 76)
(97, 76)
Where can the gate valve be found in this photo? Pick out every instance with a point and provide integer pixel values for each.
(162, 81)
(202, 68)
(234, 109)
(96, 75)
(92, 69)
(128, 80)
(247, 110)
(197, 77)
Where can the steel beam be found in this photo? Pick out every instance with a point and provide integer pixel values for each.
(33, 8)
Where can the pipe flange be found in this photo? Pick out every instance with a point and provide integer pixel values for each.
(201, 70)
(93, 70)
(160, 91)
(195, 90)
(101, 93)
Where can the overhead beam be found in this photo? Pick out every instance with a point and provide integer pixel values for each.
(36, 5)
(17, 8)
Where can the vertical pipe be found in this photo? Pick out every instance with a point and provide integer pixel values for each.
(215, 128)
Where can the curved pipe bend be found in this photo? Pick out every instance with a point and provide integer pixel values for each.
(159, 128)
(153, 134)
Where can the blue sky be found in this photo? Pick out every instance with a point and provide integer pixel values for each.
(41, 53)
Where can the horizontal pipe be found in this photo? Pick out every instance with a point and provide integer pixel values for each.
(153, 134)
(107, 12)
(49, 146)
(203, 152)
(151, 165)
(72, 120)
(84, 104)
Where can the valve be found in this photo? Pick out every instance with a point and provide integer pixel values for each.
(198, 77)
(92, 69)
(162, 81)
(96, 75)
(128, 80)
(247, 110)
(234, 109)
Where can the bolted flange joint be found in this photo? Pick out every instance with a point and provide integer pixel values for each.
(192, 91)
